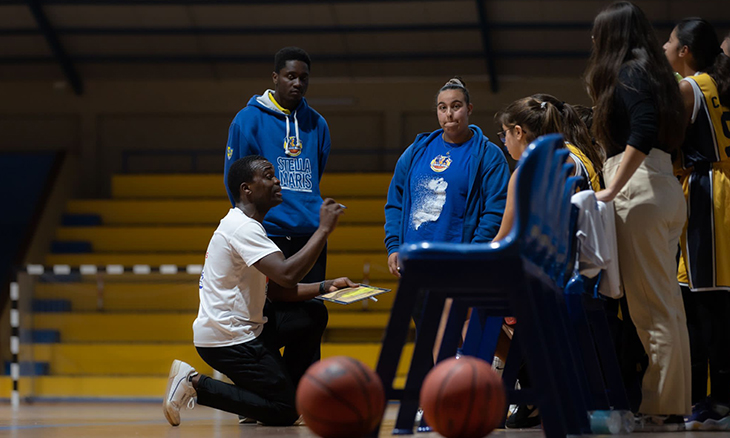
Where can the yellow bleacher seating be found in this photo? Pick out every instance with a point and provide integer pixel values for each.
(122, 333)
(211, 186)
(346, 238)
(200, 211)
(114, 296)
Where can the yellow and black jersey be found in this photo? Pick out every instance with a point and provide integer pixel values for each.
(584, 167)
(708, 136)
(705, 262)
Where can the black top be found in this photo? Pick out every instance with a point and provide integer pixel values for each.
(635, 120)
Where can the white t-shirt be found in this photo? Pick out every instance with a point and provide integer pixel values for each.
(596, 233)
(232, 292)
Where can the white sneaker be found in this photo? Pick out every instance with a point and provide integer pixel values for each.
(180, 391)
(498, 365)
(245, 420)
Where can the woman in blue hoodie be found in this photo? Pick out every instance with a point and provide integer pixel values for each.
(449, 185)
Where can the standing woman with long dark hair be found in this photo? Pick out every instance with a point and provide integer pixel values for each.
(694, 51)
(639, 120)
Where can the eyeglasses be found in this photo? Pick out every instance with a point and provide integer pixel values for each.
(502, 134)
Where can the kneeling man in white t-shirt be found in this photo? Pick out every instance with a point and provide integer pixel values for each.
(236, 332)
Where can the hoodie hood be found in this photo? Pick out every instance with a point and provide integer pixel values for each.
(292, 144)
(264, 103)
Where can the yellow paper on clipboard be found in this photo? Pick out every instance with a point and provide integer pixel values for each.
(353, 294)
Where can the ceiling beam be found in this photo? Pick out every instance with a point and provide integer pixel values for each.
(59, 53)
(248, 30)
(487, 46)
(284, 30)
(201, 2)
(254, 59)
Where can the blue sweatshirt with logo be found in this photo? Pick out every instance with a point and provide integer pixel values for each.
(485, 199)
(298, 145)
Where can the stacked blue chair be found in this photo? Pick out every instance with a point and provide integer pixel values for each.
(590, 346)
(588, 321)
(520, 276)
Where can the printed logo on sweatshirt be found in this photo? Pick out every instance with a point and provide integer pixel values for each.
(229, 152)
(295, 174)
(440, 163)
(292, 146)
(429, 198)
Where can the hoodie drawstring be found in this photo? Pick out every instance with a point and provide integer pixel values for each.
(288, 131)
(286, 139)
(296, 126)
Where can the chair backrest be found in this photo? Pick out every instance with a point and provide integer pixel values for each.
(533, 182)
(554, 221)
(541, 213)
(567, 240)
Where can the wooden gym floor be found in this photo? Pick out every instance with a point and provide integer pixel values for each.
(143, 420)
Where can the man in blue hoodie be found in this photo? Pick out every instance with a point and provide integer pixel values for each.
(280, 126)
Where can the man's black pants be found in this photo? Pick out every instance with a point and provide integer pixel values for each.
(265, 382)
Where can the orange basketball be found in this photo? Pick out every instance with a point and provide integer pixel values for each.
(463, 398)
(340, 397)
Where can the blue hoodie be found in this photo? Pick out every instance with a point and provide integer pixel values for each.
(298, 146)
(485, 200)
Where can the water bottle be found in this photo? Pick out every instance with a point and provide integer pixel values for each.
(606, 422)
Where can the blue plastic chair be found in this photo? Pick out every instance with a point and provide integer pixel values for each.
(603, 342)
(589, 323)
(564, 350)
(513, 277)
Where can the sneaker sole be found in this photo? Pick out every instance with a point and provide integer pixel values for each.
(723, 424)
(713, 425)
(165, 403)
(693, 425)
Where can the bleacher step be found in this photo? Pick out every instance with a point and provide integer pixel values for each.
(339, 265)
(128, 359)
(199, 211)
(163, 327)
(113, 296)
(351, 238)
(211, 185)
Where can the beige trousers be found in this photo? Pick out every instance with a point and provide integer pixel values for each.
(650, 214)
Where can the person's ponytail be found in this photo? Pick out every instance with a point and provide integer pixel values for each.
(552, 120)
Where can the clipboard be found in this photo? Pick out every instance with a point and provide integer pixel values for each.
(350, 295)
